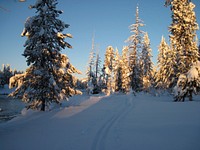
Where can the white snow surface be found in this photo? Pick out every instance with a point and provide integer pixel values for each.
(115, 122)
(5, 90)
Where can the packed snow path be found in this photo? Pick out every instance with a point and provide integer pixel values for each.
(117, 122)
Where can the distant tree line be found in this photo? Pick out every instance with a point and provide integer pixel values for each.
(6, 73)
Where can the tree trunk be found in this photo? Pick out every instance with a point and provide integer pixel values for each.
(190, 95)
(43, 105)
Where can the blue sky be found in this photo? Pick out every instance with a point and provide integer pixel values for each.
(108, 19)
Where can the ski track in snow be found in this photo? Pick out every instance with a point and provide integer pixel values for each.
(115, 122)
(100, 138)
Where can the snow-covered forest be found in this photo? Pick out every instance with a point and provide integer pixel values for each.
(130, 69)
(126, 101)
(134, 66)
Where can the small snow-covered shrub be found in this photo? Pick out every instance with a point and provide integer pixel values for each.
(16, 80)
(188, 83)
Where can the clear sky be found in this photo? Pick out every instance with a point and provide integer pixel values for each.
(108, 19)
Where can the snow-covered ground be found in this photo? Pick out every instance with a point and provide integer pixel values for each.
(5, 90)
(116, 122)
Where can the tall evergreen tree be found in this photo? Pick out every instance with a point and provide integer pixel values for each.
(166, 61)
(93, 70)
(125, 70)
(108, 67)
(103, 79)
(91, 80)
(117, 72)
(147, 64)
(49, 77)
(135, 46)
(161, 61)
(183, 32)
(97, 65)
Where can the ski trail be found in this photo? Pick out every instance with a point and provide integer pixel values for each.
(99, 142)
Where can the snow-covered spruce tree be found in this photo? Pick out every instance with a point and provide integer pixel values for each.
(90, 70)
(183, 32)
(161, 61)
(166, 62)
(49, 77)
(90, 67)
(147, 64)
(125, 76)
(93, 71)
(117, 72)
(108, 68)
(97, 65)
(135, 46)
(97, 88)
(103, 79)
